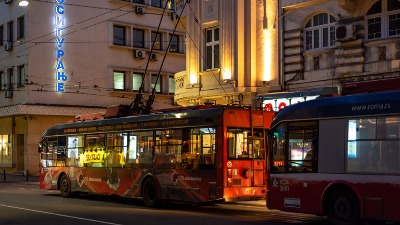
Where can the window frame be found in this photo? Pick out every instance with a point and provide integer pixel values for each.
(116, 41)
(123, 80)
(156, 37)
(379, 11)
(314, 32)
(159, 83)
(138, 43)
(212, 49)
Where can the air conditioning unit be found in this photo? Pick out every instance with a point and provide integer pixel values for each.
(8, 46)
(139, 54)
(153, 57)
(8, 93)
(7, 1)
(345, 32)
(140, 10)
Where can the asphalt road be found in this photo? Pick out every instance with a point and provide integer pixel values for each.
(22, 202)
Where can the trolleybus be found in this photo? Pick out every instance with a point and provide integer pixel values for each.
(194, 156)
(338, 156)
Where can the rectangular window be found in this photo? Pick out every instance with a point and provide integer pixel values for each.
(138, 38)
(174, 43)
(5, 150)
(21, 76)
(136, 81)
(394, 24)
(156, 3)
(241, 144)
(302, 143)
(74, 150)
(156, 40)
(10, 79)
(54, 153)
(171, 85)
(116, 150)
(156, 82)
(374, 28)
(94, 154)
(21, 27)
(10, 36)
(212, 48)
(1, 35)
(138, 1)
(373, 145)
(2, 81)
(119, 80)
(145, 143)
(119, 35)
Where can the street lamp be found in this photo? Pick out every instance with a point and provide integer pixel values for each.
(23, 3)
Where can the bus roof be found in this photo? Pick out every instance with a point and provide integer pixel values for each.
(381, 103)
(199, 117)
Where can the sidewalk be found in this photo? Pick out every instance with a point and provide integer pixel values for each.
(12, 178)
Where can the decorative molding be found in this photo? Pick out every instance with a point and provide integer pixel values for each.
(348, 5)
(47, 110)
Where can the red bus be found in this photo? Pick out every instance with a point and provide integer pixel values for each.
(193, 156)
(338, 157)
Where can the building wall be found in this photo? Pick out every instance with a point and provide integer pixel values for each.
(351, 59)
(242, 71)
(88, 59)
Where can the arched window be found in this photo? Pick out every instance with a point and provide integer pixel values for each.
(320, 32)
(383, 19)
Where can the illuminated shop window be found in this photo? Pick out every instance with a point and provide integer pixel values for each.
(5, 149)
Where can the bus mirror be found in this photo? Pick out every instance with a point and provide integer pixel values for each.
(40, 147)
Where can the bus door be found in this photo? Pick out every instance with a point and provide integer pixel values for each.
(246, 157)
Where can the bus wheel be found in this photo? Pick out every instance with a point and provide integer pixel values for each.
(150, 193)
(65, 186)
(343, 208)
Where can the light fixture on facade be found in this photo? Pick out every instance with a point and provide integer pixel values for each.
(23, 3)
(265, 20)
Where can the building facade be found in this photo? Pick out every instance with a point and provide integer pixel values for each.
(347, 45)
(232, 51)
(277, 53)
(64, 58)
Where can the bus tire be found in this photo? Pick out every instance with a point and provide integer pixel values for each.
(343, 209)
(150, 193)
(65, 186)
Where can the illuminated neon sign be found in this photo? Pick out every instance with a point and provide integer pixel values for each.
(60, 26)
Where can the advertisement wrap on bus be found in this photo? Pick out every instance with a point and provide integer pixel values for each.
(203, 155)
(339, 157)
